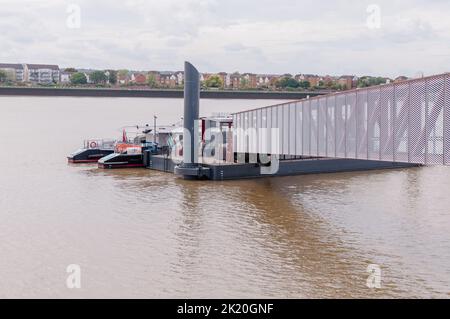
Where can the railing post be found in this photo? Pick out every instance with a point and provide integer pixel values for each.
(445, 126)
(310, 128)
(295, 129)
(356, 125)
(318, 127)
(367, 121)
(326, 126)
(335, 127)
(303, 128)
(379, 123)
(282, 130)
(426, 122)
(394, 115)
(345, 126)
(409, 123)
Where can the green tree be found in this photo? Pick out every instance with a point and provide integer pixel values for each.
(214, 81)
(338, 87)
(305, 84)
(292, 83)
(123, 73)
(3, 76)
(99, 77)
(244, 84)
(78, 78)
(151, 80)
(288, 82)
(112, 78)
(70, 70)
(367, 81)
(281, 83)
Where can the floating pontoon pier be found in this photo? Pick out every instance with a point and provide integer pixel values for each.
(357, 130)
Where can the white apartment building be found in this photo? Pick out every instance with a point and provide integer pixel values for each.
(43, 73)
(65, 77)
(14, 72)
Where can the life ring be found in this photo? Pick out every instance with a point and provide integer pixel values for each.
(93, 144)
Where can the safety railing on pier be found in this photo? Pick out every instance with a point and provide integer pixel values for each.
(400, 122)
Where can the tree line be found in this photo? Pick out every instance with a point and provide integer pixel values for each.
(96, 77)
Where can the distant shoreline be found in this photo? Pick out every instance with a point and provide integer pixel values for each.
(100, 92)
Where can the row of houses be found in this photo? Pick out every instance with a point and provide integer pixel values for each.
(156, 78)
(35, 73)
(249, 80)
(255, 81)
(45, 74)
(231, 80)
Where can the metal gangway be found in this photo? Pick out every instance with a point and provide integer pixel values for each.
(400, 122)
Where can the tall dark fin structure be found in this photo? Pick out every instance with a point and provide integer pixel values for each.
(191, 112)
(190, 169)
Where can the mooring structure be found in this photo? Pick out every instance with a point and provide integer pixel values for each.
(388, 126)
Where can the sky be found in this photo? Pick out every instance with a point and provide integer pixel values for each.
(336, 37)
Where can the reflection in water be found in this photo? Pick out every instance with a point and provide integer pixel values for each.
(311, 251)
(140, 233)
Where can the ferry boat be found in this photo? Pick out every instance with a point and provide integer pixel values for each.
(125, 156)
(92, 151)
(130, 154)
(95, 149)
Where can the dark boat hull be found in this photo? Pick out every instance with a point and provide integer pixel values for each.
(122, 161)
(89, 156)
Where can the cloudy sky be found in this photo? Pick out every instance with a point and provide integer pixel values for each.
(261, 36)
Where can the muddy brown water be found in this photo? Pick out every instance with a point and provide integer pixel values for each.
(144, 234)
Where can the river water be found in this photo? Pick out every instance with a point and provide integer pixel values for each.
(144, 234)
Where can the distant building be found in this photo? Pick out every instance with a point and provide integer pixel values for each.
(65, 77)
(263, 80)
(14, 72)
(235, 80)
(327, 80)
(251, 80)
(138, 78)
(168, 79)
(123, 79)
(400, 79)
(226, 79)
(348, 81)
(43, 73)
(266, 80)
(312, 79)
(205, 77)
(179, 78)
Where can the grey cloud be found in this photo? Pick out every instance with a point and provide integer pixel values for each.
(256, 36)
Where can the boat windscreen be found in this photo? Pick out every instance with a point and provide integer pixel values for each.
(108, 157)
(77, 152)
